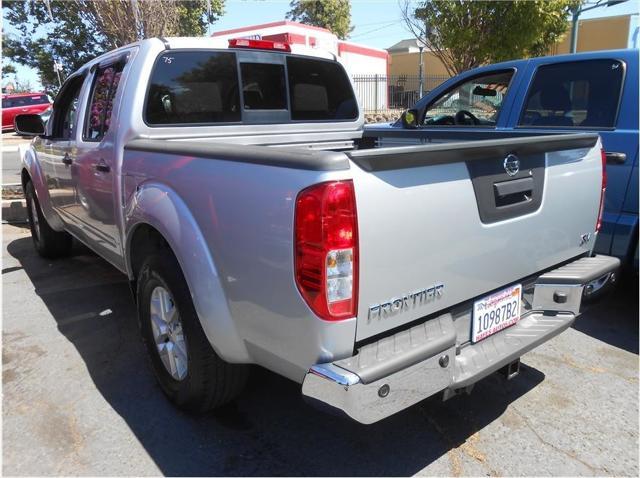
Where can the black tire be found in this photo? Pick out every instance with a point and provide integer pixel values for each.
(210, 382)
(48, 243)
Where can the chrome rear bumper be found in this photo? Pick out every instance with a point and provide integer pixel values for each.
(398, 371)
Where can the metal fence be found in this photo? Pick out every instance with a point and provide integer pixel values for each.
(381, 93)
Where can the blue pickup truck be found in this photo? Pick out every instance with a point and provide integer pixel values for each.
(590, 92)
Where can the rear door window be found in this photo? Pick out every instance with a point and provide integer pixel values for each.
(319, 90)
(583, 94)
(193, 87)
(105, 86)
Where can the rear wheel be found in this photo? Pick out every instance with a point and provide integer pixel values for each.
(48, 243)
(187, 368)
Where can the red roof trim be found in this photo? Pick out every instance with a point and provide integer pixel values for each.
(361, 50)
(268, 25)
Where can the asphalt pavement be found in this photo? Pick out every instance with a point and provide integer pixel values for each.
(11, 157)
(79, 398)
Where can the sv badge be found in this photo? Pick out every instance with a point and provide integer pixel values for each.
(584, 238)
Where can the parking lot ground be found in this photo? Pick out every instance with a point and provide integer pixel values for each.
(13, 204)
(11, 157)
(79, 398)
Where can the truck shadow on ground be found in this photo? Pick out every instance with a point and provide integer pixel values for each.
(269, 430)
(614, 318)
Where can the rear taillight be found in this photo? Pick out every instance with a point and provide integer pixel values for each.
(326, 249)
(603, 188)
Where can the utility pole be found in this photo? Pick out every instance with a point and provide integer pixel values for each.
(575, 14)
(58, 67)
(420, 73)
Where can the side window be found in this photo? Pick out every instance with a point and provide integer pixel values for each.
(576, 94)
(263, 86)
(105, 85)
(476, 102)
(193, 87)
(65, 109)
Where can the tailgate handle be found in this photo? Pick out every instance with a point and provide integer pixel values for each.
(615, 158)
(516, 186)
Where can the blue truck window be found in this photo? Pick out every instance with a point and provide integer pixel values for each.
(193, 87)
(475, 102)
(583, 94)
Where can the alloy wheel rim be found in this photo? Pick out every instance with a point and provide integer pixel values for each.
(168, 333)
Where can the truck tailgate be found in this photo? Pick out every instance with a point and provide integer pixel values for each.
(442, 224)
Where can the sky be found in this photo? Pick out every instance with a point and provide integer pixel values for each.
(378, 23)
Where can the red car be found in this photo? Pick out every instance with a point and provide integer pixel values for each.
(22, 103)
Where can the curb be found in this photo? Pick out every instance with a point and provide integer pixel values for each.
(13, 188)
(14, 210)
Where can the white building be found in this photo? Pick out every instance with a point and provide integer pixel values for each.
(359, 60)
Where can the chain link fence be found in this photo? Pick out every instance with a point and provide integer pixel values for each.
(392, 93)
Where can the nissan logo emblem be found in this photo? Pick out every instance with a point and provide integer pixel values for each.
(511, 164)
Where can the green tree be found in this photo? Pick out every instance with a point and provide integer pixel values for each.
(464, 34)
(73, 32)
(334, 15)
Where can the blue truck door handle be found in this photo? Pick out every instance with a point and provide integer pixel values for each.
(615, 158)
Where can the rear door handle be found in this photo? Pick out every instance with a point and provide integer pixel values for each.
(102, 166)
(67, 160)
(615, 158)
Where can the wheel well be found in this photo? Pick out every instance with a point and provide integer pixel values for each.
(145, 241)
(24, 177)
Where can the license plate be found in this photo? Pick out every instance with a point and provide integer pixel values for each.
(495, 312)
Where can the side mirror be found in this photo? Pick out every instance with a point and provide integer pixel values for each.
(29, 125)
(410, 119)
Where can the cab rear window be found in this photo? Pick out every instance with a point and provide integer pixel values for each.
(319, 90)
(209, 87)
(198, 87)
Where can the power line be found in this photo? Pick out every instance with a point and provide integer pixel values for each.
(375, 23)
(391, 24)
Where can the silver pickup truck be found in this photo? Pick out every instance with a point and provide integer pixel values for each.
(232, 184)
